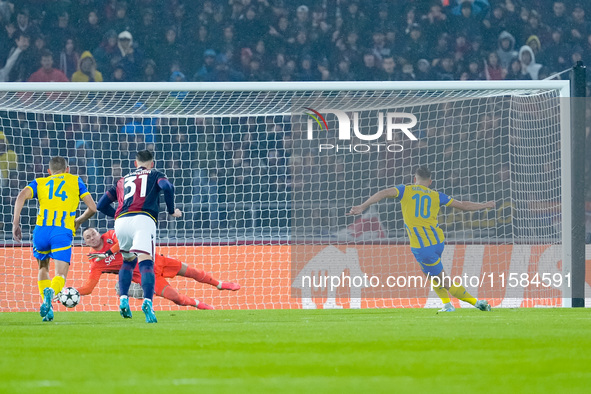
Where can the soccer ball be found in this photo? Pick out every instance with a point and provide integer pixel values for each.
(69, 297)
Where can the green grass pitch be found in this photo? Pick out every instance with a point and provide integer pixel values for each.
(341, 351)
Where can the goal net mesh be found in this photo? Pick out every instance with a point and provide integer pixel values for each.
(264, 180)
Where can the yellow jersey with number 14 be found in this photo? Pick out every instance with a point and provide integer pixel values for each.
(420, 207)
(59, 196)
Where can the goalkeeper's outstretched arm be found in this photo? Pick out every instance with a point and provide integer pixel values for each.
(379, 196)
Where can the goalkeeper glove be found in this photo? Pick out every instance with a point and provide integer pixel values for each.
(100, 256)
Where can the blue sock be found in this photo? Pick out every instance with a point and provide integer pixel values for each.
(125, 276)
(148, 278)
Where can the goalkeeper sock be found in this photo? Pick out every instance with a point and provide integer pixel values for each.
(462, 294)
(201, 276)
(179, 299)
(148, 278)
(125, 276)
(57, 283)
(44, 283)
(442, 293)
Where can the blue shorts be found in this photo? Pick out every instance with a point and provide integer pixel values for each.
(429, 258)
(52, 242)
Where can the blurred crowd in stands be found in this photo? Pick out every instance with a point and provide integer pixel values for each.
(242, 172)
(286, 40)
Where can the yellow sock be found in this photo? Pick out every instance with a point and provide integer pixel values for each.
(461, 294)
(43, 284)
(442, 293)
(57, 283)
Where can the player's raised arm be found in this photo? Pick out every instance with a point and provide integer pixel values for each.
(24, 195)
(90, 205)
(168, 190)
(471, 206)
(88, 213)
(379, 196)
(104, 204)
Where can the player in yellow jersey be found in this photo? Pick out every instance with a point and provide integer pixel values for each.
(59, 195)
(420, 206)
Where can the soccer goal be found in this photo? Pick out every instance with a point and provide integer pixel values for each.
(265, 173)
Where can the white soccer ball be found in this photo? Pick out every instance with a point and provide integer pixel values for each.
(69, 297)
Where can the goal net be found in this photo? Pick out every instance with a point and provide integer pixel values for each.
(265, 174)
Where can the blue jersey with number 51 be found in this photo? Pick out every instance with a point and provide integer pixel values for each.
(59, 196)
(420, 206)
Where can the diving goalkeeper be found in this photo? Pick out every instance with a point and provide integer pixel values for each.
(420, 206)
(107, 259)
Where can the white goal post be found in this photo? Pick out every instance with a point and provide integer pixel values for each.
(266, 171)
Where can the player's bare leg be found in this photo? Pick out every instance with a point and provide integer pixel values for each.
(458, 291)
(204, 277)
(148, 282)
(165, 290)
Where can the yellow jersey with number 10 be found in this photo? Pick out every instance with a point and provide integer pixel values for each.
(59, 196)
(420, 207)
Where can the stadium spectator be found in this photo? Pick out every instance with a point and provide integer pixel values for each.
(223, 72)
(536, 46)
(423, 72)
(441, 49)
(87, 71)
(7, 37)
(435, 21)
(6, 10)
(415, 48)
(557, 53)
(148, 32)
(25, 26)
(492, 68)
(515, 71)
(445, 71)
(38, 47)
(506, 49)
(106, 52)
(389, 71)
(61, 32)
(249, 28)
(121, 21)
(69, 58)
(16, 68)
(535, 28)
(119, 74)
(368, 71)
(91, 32)
(208, 67)
(8, 158)
(559, 18)
(128, 57)
(168, 51)
(47, 73)
(528, 62)
(579, 26)
(149, 71)
(467, 18)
